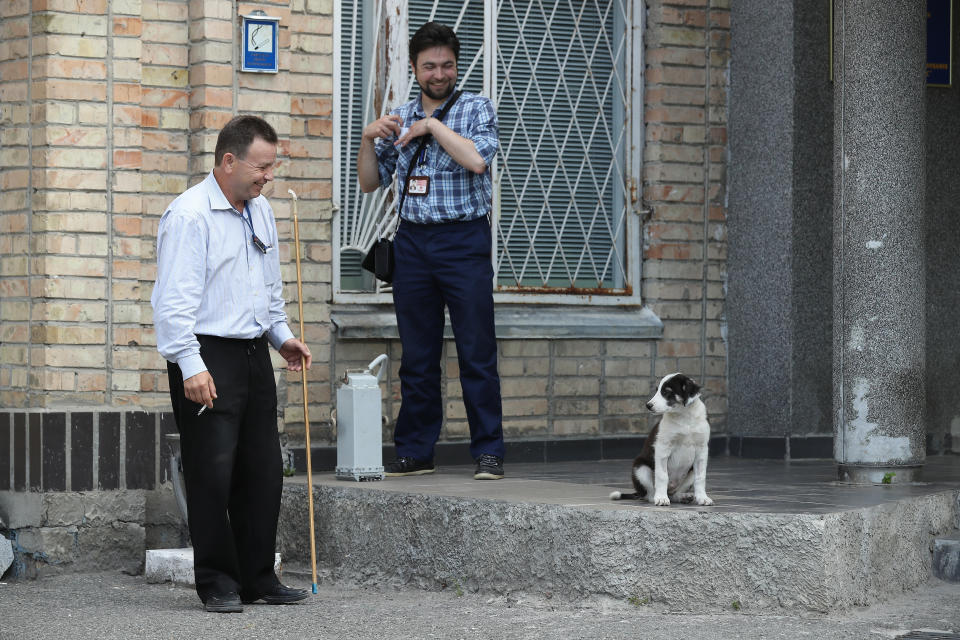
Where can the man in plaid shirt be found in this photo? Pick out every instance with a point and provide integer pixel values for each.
(442, 253)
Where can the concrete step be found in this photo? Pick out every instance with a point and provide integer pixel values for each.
(946, 557)
(176, 565)
(780, 535)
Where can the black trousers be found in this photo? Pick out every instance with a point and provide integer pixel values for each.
(232, 468)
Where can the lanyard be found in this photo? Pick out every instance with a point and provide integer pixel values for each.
(248, 220)
(421, 158)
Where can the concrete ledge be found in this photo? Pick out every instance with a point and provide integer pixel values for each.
(62, 532)
(176, 565)
(169, 565)
(568, 540)
(6, 553)
(528, 322)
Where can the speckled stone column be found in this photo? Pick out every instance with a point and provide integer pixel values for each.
(879, 322)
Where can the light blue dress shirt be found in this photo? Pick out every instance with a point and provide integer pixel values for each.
(211, 279)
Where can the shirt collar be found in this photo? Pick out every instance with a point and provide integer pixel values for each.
(218, 201)
(418, 108)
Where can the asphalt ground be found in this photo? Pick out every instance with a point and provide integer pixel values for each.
(103, 606)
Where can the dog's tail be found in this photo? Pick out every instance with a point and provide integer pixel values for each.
(616, 495)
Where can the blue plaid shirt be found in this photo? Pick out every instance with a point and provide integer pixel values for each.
(456, 193)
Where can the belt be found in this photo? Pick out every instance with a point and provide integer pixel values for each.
(250, 344)
(441, 222)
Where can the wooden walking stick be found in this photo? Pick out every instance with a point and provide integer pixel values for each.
(306, 411)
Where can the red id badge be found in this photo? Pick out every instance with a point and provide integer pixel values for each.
(418, 185)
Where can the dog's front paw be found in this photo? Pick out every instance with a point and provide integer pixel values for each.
(661, 501)
(703, 500)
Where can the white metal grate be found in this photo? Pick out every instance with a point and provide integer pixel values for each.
(561, 102)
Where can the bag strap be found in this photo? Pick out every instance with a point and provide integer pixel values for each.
(423, 142)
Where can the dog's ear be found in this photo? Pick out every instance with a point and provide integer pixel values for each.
(690, 389)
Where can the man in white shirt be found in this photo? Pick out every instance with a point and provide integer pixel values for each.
(217, 303)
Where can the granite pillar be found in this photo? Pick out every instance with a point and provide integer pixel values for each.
(878, 257)
(779, 282)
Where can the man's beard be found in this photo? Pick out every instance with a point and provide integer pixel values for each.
(433, 95)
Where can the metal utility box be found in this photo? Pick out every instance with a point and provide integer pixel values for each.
(359, 435)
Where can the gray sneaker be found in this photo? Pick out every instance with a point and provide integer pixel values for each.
(408, 467)
(489, 467)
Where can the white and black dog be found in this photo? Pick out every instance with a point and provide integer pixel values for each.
(674, 456)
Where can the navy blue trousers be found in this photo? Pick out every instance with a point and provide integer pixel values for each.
(435, 266)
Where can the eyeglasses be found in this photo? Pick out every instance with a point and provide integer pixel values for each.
(261, 169)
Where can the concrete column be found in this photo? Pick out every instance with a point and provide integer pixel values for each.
(780, 286)
(879, 177)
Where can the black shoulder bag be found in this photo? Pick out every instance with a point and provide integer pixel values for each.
(379, 259)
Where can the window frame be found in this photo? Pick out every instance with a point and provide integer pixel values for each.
(633, 158)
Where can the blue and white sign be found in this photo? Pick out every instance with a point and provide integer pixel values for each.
(260, 37)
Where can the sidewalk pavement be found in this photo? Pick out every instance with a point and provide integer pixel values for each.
(105, 606)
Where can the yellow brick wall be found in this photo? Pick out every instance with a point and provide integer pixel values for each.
(687, 50)
(110, 109)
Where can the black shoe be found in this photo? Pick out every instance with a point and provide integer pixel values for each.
(224, 603)
(408, 467)
(489, 467)
(279, 595)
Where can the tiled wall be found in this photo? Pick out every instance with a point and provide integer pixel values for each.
(83, 450)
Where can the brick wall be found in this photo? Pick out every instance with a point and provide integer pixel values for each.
(111, 109)
(15, 305)
(684, 182)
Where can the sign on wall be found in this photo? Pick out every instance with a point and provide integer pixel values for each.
(939, 42)
(260, 42)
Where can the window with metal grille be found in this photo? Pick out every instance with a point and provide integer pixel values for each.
(561, 75)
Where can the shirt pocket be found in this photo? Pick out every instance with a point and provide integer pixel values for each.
(271, 268)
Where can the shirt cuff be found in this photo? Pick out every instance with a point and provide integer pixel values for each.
(191, 365)
(278, 334)
(486, 148)
(386, 177)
